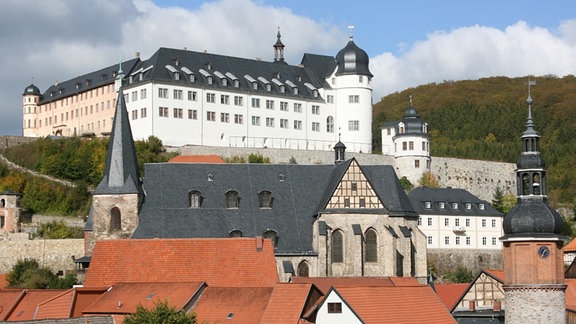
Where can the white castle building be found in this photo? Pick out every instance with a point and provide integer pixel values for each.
(198, 98)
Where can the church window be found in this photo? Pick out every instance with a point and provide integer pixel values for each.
(416, 163)
(195, 198)
(337, 247)
(303, 269)
(371, 246)
(115, 219)
(265, 198)
(232, 199)
(334, 308)
(330, 124)
(272, 235)
(235, 233)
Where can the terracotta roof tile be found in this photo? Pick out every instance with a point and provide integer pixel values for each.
(324, 283)
(233, 262)
(398, 304)
(498, 274)
(8, 299)
(26, 308)
(84, 297)
(289, 302)
(3, 281)
(124, 298)
(450, 293)
(197, 159)
(59, 306)
(232, 305)
(570, 247)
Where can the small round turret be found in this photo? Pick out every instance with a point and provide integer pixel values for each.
(31, 90)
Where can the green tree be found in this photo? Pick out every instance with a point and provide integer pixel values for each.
(498, 200)
(460, 275)
(406, 184)
(258, 158)
(429, 180)
(58, 230)
(27, 273)
(162, 313)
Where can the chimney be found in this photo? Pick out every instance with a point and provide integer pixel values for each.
(497, 305)
(259, 243)
(472, 306)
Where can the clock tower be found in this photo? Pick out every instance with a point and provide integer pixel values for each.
(533, 265)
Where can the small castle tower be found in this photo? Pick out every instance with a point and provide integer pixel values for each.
(533, 265)
(352, 82)
(30, 101)
(409, 142)
(117, 199)
(278, 48)
(9, 212)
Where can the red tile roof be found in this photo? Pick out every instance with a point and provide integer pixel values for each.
(497, 274)
(124, 298)
(197, 159)
(289, 302)
(8, 299)
(232, 305)
(450, 293)
(397, 304)
(26, 308)
(84, 297)
(324, 283)
(59, 306)
(3, 281)
(570, 247)
(231, 262)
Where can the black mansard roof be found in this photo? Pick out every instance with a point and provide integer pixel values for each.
(435, 196)
(299, 192)
(166, 62)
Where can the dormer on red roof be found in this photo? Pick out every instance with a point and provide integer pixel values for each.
(213, 159)
(230, 262)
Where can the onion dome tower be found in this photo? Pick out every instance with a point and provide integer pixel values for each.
(31, 99)
(352, 82)
(533, 260)
(412, 146)
(278, 48)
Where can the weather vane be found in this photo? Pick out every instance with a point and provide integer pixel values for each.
(350, 28)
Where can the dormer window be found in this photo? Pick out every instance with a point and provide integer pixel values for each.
(427, 205)
(195, 199)
(236, 83)
(273, 236)
(441, 205)
(295, 91)
(209, 80)
(224, 82)
(468, 206)
(454, 205)
(401, 128)
(254, 85)
(268, 87)
(282, 89)
(232, 199)
(176, 76)
(265, 198)
(481, 206)
(235, 233)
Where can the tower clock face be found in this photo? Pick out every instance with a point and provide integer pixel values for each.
(543, 252)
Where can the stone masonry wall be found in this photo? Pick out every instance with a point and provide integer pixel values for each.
(8, 141)
(474, 260)
(54, 254)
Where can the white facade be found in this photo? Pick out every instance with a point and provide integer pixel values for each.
(334, 310)
(461, 231)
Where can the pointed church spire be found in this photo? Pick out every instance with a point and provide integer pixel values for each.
(121, 173)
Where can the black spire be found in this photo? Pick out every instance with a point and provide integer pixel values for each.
(532, 215)
(121, 173)
(278, 48)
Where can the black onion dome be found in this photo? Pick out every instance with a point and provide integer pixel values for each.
(412, 122)
(531, 161)
(339, 145)
(352, 60)
(31, 90)
(532, 217)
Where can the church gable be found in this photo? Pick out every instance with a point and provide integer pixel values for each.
(354, 191)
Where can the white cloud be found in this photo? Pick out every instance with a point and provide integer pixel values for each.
(476, 52)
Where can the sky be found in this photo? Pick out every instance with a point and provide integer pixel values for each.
(409, 42)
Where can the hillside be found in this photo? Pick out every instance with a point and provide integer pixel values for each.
(483, 119)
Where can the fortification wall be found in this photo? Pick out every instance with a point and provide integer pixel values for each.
(8, 141)
(54, 254)
(474, 260)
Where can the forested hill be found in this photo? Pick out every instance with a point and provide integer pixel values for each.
(484, 119)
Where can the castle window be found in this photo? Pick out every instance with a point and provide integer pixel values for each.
(493, 223)
(235, 233)
(468, 240)
(195, 198)
(232, 199)
(371, 246)
(330, 124)
(441, 205)
(455, 205)
(337, 247)
(536, 184)
(272, 235)
(303, 269)
(484, 222)
(353, 125)
(353, 99)
(411, 146)
(484, 240)
(401, 128)
(429, 221)
(467, 222)
(468, 206)
(446, 222)
(265, 198)
(334, 308)
(2, 203)
(115, 219)
(481, 206)
(416, 163)
(404, 146)
(429, 239)
(447, 240)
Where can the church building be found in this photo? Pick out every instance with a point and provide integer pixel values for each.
(340, 219)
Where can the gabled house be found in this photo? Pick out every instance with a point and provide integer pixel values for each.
(483, 300)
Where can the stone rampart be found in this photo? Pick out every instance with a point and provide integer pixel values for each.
(8, 141)
(474, 260)
(54, 254)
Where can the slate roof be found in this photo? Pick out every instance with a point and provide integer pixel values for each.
(234, 262)
(312, 71)
(86, 82)
(396, 304)
(299, 193)
(418, 196)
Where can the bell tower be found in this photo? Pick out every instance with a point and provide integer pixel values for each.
(533, 264)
